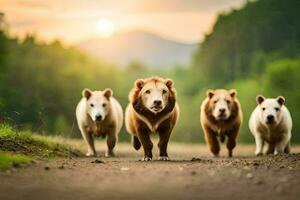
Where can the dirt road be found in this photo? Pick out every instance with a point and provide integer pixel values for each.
(192, 174)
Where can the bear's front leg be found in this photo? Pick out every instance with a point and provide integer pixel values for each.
(232, 135)
(164, 130)
(211, 139)
(231, 143)
(143, 133)
(259, 142)
(88, 138)
(271, 148)
(281, 145)
(111, 141)
(288, 147)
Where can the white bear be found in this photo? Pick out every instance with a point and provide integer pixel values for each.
(99, 114)
(271, 122)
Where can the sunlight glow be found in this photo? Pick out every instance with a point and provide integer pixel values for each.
(105, 27)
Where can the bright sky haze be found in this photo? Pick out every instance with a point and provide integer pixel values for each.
(76, 20)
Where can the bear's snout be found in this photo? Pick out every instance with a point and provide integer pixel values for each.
(222, 113)
(270, 119)
(157, 102)
(222, 110)
(98, 117)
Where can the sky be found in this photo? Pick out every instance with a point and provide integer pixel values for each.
(74, 21)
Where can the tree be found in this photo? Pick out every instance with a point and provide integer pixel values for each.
(266, 26)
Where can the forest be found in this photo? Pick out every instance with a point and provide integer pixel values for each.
(255, 49)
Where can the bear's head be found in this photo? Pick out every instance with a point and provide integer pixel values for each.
(270, 109)
(221, 104)
(97, 103)
(155, 95)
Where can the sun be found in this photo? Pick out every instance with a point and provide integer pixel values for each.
(105, 27)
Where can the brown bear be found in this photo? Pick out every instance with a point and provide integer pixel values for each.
(152, 108)
(221, 116)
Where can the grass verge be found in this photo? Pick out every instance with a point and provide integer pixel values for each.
(21, 147)
(8, 160)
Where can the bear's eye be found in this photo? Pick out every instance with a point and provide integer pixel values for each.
(228, 101)
(104, 104)
(92, 105)
(164, 91)
(147, 91)
(263, 109)
(215, 101)
(277, 109)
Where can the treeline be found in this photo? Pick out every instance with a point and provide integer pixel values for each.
(254, 49)
(242, 41)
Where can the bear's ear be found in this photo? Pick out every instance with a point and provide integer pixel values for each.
(210, 93)
(108, 93)
(139, 83)
(260, 99)
(233, 93)
(169, 83)
(87, 93)
(280, 100)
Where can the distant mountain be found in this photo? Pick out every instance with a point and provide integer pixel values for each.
(147, 48)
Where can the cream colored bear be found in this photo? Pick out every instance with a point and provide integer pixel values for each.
(99, 114)
(271, 123)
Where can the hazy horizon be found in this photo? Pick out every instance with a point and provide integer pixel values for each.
(76, 21)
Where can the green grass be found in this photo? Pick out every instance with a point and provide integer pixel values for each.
(8, 160)
(32, 145)
(17, 146)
